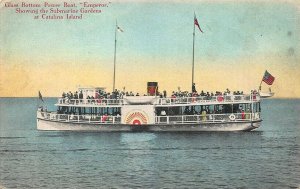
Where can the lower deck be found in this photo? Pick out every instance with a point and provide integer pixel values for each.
(209, 122)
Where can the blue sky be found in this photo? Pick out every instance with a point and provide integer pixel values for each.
(230, 29)
(158, 34)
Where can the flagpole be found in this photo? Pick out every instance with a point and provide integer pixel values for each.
(193, 52)
(37, 101)
(261, 83)
(114, 79)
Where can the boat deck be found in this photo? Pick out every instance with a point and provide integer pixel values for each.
(178, 119)
(157, 101)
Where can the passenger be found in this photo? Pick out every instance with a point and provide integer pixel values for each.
(76, 95)
(240, 109)
(243, 114)
(210, 117)
(163, 113)
(227, 91)
(165, 93)
(63, 96)
(248, 113)
(173, 97)
(202, 93)
(104, 118)
(203, 115)
(137, 94)
(186, 110)
(194, 88)
(80, 95)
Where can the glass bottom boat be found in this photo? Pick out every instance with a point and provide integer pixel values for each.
(153, 113)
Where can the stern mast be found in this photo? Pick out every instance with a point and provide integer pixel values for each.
(114, 79)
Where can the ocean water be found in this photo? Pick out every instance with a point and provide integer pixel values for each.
(265, 158)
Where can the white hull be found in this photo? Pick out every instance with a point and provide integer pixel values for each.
(67, 126)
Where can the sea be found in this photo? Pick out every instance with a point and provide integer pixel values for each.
(268, 157)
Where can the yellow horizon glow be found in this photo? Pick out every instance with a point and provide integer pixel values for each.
(25, 80)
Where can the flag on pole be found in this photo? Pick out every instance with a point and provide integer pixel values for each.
(268, 78)
(41, 97)
(120, 29)
(197, 23)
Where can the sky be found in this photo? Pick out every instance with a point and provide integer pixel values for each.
(241, 40)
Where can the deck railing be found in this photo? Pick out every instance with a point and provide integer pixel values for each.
(210, 99)
(96, 119)
(208, 118)
(100, 102)
(178, 119)
(164, 101)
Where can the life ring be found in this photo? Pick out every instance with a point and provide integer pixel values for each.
(232, 117)
(220, 98)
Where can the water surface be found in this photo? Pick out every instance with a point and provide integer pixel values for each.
(265, 158)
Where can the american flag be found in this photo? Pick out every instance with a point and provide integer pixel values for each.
(268, 78)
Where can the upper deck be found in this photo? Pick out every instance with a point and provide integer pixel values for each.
(160, 102)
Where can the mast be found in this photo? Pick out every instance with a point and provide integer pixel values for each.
(114, 79)
(193, 53)
(259, 89)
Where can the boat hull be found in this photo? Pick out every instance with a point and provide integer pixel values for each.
(50, 125)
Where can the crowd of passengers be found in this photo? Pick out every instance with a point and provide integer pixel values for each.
(99, 95)
(117, 94)
(208, 95)
(242, 112)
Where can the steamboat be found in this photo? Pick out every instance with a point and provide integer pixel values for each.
(95, 110)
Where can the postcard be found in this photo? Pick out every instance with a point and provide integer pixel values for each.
(149, 93)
